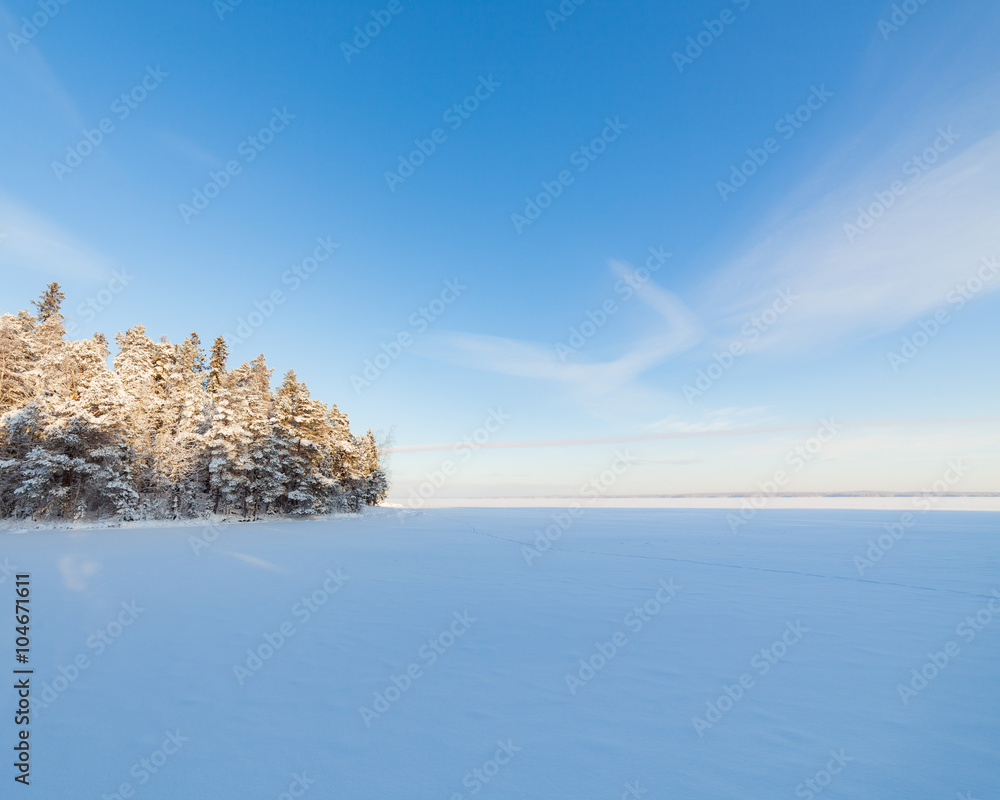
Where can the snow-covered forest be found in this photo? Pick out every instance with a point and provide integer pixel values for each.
(168, 432)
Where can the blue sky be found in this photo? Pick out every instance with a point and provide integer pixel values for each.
(636, 142)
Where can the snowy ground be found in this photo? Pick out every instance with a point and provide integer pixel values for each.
(476, 656)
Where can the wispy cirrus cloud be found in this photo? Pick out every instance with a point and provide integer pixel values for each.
(719, 419)
(678, 331)
(187, 149)
(933, 235)
(31, 67)
(32, 242)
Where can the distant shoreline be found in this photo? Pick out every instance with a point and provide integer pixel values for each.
(873, 501)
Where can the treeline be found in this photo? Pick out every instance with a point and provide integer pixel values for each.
(168, 432)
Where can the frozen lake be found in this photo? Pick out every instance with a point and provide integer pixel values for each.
(449, 654)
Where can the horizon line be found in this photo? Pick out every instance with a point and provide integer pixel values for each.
(424, 448)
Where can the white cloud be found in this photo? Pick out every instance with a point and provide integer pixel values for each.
(34, 70)
(679, 332)
(934, 235)
(720, 419)
(33, 242)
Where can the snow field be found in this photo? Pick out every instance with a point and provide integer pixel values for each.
(651, 653)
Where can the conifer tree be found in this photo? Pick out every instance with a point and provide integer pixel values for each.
(373, 484)
(228, 443)
(217, 365)
(50, 303)
(160, 435)
(190, 355)
(15, 359)
(180, 449)
(266, 480)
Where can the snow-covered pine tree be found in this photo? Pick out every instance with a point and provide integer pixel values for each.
(45, 341)
(266, 481)
(372, 484)
(20, 432)
(228, 445)
(76, 458)
(217, 365)
(15, 361)
(105, 405)
(136, 367)
(302, 428)
(163, 433)
(180, 442)
(191, 354)
(50, 303)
